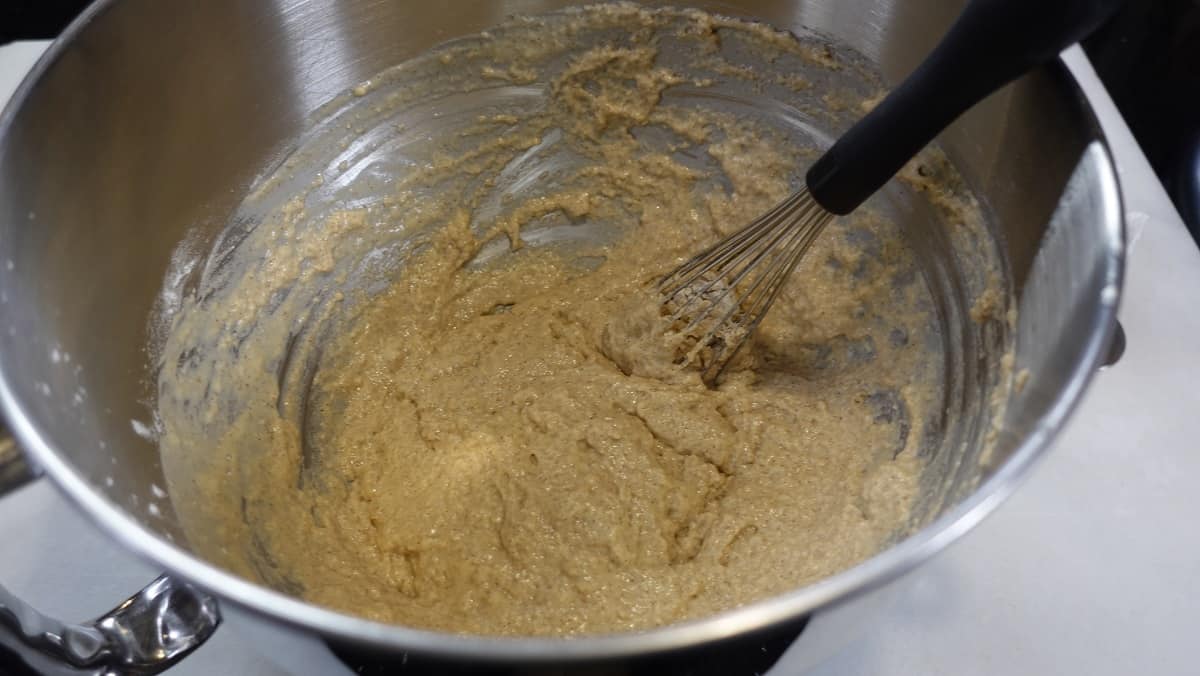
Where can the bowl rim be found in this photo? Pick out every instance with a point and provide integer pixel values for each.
(774, 611)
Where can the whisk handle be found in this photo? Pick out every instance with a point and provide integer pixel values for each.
(990, 44)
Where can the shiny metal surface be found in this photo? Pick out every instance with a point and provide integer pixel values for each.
(146, 634)
(146, 122)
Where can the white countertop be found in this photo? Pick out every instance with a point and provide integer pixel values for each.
(1093, 567)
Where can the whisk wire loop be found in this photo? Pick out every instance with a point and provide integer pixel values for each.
(721, 295)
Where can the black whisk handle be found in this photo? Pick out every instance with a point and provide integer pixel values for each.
(990, 44)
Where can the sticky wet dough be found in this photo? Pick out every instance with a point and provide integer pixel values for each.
(466, 447)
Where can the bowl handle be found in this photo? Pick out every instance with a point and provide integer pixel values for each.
(146, 634)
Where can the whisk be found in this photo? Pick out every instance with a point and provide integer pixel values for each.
(718, 298)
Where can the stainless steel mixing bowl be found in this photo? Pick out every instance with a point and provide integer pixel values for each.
(148, 120)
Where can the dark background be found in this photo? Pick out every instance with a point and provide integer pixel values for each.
(1148, 57)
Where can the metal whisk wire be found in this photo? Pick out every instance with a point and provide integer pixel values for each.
(723, 293)
(992, 43)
